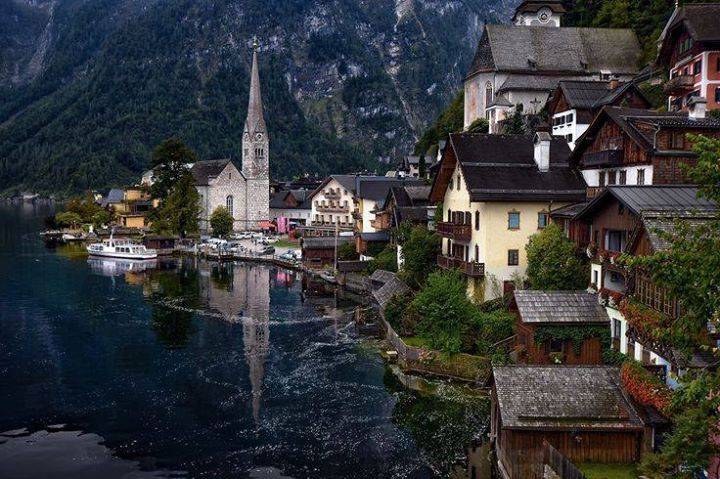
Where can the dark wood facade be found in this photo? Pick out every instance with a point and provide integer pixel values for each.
(530, 352)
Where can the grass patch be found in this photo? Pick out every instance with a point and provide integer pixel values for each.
(415, 342)
(286, 244)
(608, 471)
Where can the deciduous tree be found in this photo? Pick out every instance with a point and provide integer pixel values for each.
(553, 262)
(221, 222)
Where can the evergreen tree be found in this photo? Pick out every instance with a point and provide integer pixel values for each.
(168, 162)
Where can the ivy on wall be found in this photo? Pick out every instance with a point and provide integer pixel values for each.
(576, 334)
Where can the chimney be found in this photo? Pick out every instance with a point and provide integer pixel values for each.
(542, 150)
(697, 107)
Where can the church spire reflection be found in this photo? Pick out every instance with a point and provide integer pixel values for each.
(241, 294)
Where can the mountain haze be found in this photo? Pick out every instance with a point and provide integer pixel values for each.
(88, 87)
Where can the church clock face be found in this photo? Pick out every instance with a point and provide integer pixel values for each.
(544, 15)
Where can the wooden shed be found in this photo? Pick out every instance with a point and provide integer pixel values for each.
(547, 320)
(580, 410)
(317, 253)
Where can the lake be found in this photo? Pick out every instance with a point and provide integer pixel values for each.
(188, 368)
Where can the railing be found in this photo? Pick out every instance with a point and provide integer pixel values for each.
(562, 466)
(679, 84)
(332, 194)
(472, 269)
(609, 157)
(333, 209)
(454, 231)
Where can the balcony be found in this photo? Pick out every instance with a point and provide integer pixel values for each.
(679, 85)
(454, 231)
(333, 209)
(469, 268)
(609, 157)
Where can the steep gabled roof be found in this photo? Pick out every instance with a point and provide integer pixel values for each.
(571, 307)
(671, 200)
(502, 168)
(563, 398)
(204, 171)
(590, 95)
(699, 19)
(629, 120)
(580, 51)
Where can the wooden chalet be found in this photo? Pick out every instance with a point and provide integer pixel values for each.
(403, 204)
(630, 219)
(574, 104)
(581, 411)
(319, 252)
(624, 146)
(690, 52)
(558, 309)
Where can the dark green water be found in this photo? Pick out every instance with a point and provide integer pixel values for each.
(189, 369)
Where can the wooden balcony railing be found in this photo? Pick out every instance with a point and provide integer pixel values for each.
(333, 209)
(454, 231)
(609, 157)
(469, 268)
(679, 85)
(332, 194)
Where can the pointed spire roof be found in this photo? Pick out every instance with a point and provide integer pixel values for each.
(255, 121)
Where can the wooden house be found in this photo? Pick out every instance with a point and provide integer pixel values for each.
(580, 410)
(690, 53)
(630, 219)
(624, 146)
(319, 252)
(540, 313)
(574, 104)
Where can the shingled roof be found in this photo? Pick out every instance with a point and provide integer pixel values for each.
(502, 168)
(325, 242)
(570, 307)
(393, 286)
(699, 20)
(579, 51)
(563, 398)
(204, 171)
(628, 120)
(672, 200)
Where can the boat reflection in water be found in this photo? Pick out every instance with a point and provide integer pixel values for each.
(133, 270)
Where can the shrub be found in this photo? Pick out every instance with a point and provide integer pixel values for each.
(419, 252)
(221, 222)
(386, 259)
(347, 252)
(492, 327)
(644, 387)
(68, 218)
(553, 263)
(446, 314)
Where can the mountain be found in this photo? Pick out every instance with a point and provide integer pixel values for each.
(89, 87)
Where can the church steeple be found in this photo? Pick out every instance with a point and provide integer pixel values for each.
(255, 121)
(255, 163)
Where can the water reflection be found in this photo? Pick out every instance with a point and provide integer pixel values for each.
(67, 454)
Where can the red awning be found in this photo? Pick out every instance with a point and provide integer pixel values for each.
(266, 225)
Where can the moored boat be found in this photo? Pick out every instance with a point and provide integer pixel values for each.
(121, 248)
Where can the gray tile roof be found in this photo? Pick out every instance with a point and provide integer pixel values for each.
(502, 168)
(393, 286)
(115, 195)
(563, 397)
(559, 307)
(658, 226)
(203, 171)
(580, 51)
(654, 200)
(381, 276)
(376, 236)
(325, 242)
(568, 211)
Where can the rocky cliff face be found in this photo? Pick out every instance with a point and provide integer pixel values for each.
(87, 87)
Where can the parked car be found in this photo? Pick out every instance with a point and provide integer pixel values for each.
(289, 256)
(243, 236)
(267, 250)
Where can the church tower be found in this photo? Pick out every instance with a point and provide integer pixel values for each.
(539, 13)
(256, 153)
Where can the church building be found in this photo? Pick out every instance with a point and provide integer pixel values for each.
(246, 192)
(521, 64)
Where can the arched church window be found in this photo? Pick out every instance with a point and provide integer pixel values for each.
(488, 94)
(229, 204)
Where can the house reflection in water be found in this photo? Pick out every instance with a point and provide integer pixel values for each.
(242, 294)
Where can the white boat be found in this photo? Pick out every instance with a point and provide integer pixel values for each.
(121, 248)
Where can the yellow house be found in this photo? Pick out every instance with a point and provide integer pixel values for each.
(497, 191)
